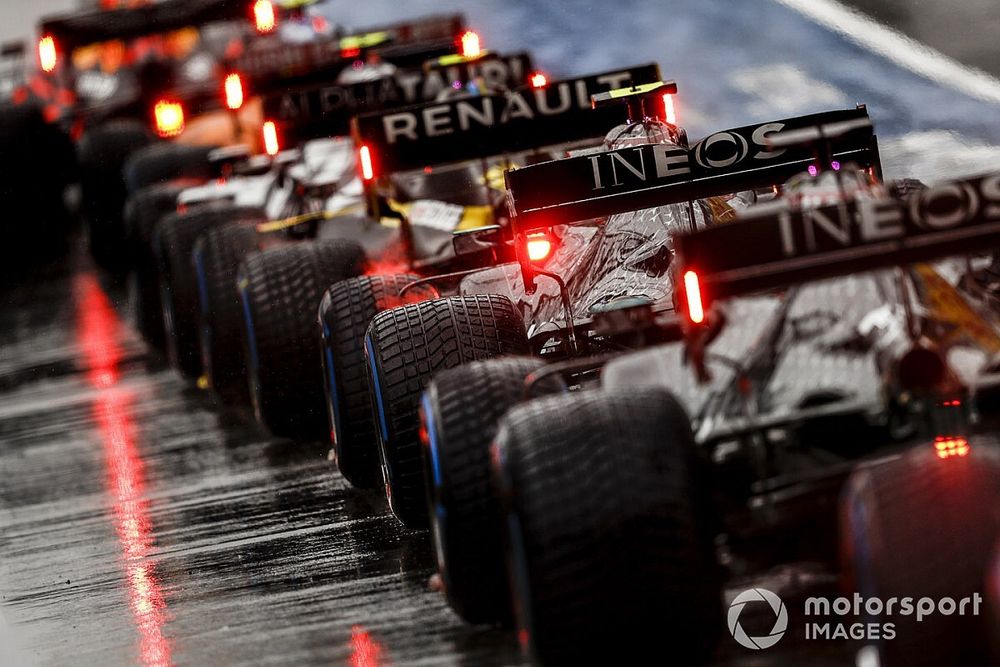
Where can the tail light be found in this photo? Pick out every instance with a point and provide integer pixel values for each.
(947, 446)
(169, 117)
(367, 166)
(47, 53)
(234, 91)
(470, 45)
(263, 16)
(692, 293)
(539, 247)
(538, 80)
(269, 133)
(669, 113)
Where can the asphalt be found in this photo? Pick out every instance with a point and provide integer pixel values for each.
(143, 523)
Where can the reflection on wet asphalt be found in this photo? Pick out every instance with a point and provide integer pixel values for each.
(143, 524)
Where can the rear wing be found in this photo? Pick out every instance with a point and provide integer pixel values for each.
(639, 177)
(325, 109)
(273, 64)
(471, 128)
(80, 29)
(793, 246)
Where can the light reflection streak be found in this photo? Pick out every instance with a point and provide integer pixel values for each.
(365, 650)
(97, 326)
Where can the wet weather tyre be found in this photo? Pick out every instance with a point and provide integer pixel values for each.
(345, 312)
(174, 240)
(609, 528)
(942, 515)
(102, 153)
(280, 290)
(161, 162)
(460, 411)
(217, 257)
(404, 348)
(142, 211)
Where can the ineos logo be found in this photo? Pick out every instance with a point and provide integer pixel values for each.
(945, 206)
(730, 149)
(780, 619)
(725, 149)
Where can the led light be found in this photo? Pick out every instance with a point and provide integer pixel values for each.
(367, 168)
(539, 247)
(692, 290)
(47, 53)
(269, 131)
(669, 113)
(234, 91)
(835, 165)
(350, 52)
(263, 16)
(169, 117)
(538, 80)
(470, 45)
(946, 446)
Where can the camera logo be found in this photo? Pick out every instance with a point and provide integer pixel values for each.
(780, 619)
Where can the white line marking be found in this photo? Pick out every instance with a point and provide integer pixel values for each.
(900, 49)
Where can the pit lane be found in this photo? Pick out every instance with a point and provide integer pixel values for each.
(140, 522)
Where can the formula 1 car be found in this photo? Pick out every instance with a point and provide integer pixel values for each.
(444, 160)
(307, 168)
(839, 406)
(37, 218)
(321, 211)
(551, 300)
(116, 78)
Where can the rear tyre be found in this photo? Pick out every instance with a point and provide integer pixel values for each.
(143, 210)
(102, 154)
(460, 411)
(217, 257)
(280, 290)
(942, 515)
(609, 529)
(174, 241)
(404, 348)
(36, 166)
(165, 161)
(345, 312)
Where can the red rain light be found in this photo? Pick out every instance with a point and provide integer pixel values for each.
(367, 167)
(946, 446)
(47, 53)
(539, 247)
(538, 80)
(669, 113)
(692, 290)
(234, 91)
(470, 45)
(169, 117)
(269, 132)
(263, 16)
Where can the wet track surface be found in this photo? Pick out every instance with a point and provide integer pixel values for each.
(142, 523)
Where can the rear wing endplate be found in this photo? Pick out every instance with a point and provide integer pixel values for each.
(646, 176)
